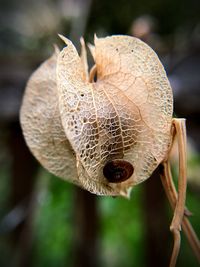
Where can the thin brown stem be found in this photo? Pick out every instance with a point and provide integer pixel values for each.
(170, 190)
(182, 180)
(177, 201)
(176, 247)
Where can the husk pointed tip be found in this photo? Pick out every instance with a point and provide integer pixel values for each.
(95, 38)
(82, 41)
(64, 39)
(81, 38)
(126, 193)
(56, 49)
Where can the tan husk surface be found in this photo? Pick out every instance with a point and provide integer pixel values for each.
(74, 127)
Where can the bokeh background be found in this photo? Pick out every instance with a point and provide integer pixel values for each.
(45, 221)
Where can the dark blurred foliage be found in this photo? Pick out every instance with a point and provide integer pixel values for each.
(115, 18)
(45, 221)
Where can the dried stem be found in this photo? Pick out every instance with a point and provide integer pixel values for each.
(170, 190)
(177, 201)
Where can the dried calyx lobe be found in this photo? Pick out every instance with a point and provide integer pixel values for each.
(117, 171)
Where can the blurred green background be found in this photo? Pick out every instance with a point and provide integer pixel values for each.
(45, 221)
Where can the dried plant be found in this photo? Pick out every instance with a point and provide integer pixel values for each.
(109, 134)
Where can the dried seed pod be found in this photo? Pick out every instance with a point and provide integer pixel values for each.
(111, 134)
(125, 115)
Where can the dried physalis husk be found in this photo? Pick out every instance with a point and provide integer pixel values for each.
(105, 135)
